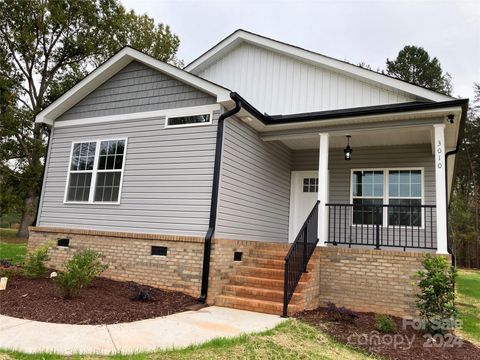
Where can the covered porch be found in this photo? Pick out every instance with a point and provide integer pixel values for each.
(372, 182)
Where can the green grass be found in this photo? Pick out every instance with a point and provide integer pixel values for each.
(289, 340)
(12, 248)
(10, 236)
(14, 253)
(468, 291)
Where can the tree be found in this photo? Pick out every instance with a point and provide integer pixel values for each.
(413, 64)
(465, 208)
(46, 46)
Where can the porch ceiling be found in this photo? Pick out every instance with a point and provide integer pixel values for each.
(405, 136)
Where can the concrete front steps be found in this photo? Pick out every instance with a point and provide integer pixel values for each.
(257, 284)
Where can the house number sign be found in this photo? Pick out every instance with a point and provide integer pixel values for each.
(439, 154)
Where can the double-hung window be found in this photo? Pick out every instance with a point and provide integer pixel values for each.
(96, 171)
(367, 191)
(405, 191)
(400, 189)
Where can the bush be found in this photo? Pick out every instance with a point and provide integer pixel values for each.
(385, 323)
(340, 313)
(10, 271)
(79, 272)
(436, 300)
(34, 265)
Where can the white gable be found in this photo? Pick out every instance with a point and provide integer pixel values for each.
(278, 84)
(278, 78)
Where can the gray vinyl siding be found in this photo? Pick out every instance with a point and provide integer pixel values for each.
(166, 185)
(369, 157)
(410, 156)
(137, 88)
(254, 192)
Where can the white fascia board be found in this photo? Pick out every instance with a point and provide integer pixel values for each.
(315, 58)
(110, 68)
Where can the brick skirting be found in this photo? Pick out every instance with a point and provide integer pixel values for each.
(361, 279)
(129, 256)
(380, 281)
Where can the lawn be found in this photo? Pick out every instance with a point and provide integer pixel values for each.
(468, 291)
(290, 340)
(12, 248)
(10, 236)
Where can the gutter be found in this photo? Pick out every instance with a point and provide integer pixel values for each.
(345, 113)
(463, 121)
(49, 132)
(214, 198)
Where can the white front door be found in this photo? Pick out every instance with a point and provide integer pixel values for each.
(303, 195)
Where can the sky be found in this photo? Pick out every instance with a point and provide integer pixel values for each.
(355, 31)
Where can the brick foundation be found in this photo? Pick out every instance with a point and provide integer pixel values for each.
(367, 280)
(361, 279)
(129, 256)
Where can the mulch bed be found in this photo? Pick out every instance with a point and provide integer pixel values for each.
(104, 301)
(364, 324)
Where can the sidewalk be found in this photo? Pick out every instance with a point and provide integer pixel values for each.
(177, 330)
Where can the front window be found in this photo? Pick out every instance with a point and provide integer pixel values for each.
(95, 173)
(367, 192)
(405, 191)
(403, 197)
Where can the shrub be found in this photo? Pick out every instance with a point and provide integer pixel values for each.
(10, 271)
(436, 299)
(340, 313)
(34, 265)
(385, 323)
(139, 292)
(79, 272)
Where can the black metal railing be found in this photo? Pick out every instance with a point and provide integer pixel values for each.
(298, 256)
(382, 225)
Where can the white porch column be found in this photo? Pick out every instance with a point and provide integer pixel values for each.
(440, 188)
(323, 189)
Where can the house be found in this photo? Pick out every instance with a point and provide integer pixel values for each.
(262, 176)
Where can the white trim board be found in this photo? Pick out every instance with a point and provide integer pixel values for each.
(239, 36)
(110, 68)
(139, 115)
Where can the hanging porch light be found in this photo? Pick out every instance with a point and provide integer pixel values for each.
(348, 150)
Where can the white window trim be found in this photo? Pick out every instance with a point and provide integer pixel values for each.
(386, 197)
(94, 172)
(189, 113)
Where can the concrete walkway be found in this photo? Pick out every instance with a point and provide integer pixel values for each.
(177, 330)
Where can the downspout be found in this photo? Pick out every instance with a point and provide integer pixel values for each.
(49, 132)
(447, 154)
(463, 120)
(214, 199)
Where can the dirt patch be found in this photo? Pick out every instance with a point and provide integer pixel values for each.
(105, 301)
(403, 344)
